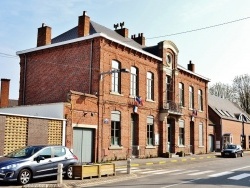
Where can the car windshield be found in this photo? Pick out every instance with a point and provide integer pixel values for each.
(231, 147)
(24, 152)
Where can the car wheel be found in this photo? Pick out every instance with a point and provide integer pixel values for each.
(24, 177)
(69, 172)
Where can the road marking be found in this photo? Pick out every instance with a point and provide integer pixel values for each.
(151, 171)
(241, 168)
(199, 173)
(185, 172)
(165, 172)
(238, 177)
(220, 174)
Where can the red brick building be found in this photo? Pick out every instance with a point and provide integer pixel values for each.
(230, 123)
(122, 97)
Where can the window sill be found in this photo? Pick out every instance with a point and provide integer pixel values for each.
(181, 146)
(150, 147)
(201, 146)
(149, 100)
(115, 147)
(115, 93)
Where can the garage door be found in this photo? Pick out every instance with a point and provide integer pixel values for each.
(83, 144)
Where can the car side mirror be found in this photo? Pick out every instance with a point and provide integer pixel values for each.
(39, 158)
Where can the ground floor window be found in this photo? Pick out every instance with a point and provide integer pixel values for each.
(115, 128)
(201, 135)
(150, 130)
(181, 138)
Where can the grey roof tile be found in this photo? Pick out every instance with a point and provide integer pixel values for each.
(218, 103)
(95, 28)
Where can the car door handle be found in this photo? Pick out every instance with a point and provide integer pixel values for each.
(50, 161)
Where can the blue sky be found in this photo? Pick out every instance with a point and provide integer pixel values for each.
(219, 53)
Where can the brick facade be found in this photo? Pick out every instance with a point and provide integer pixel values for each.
(71, 73)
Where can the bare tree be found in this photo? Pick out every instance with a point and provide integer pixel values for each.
(223, 90)
(241, 86)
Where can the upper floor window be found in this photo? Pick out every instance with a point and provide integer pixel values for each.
(200, 100)
(150, 130)
(181, 94)
(191, 97)
(134, 81)
(116, 77)
(115, 128)
(168, 87)
(150, 86)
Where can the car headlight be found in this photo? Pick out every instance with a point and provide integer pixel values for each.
(12, 166)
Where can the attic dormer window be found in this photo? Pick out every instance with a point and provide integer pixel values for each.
(221, 112)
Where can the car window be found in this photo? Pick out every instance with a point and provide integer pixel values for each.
(46, 153)
(24, 152)
(59, 151)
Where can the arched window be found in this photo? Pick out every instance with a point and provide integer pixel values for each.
(200, 100)
(134, 81)
(116, 77)
(191, 97)
(181, 94)
(150, 86)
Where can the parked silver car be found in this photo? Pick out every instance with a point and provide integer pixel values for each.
(32, 162)
(232, 150)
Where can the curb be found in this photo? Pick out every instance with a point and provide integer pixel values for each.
(167, 161)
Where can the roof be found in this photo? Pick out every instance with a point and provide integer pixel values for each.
(226, 109)
(95, 28)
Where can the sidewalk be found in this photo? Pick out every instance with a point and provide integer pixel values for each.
(77, 183)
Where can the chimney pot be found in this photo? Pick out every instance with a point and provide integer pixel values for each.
(43, 35)
(140, 39)
(4, 98)
(83, 25)
(191, 66)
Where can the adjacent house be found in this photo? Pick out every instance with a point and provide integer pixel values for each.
(228, 123)
(120, 97)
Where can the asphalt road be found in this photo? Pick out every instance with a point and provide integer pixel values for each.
(205, 173)
(218, 172)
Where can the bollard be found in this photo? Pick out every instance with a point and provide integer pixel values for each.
(59, 173)
(129, 166)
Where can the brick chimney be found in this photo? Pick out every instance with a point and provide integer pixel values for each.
(191, 66)
(122, 31)
(83, 25)
(140, 39)
(4, 98)
(44, 35)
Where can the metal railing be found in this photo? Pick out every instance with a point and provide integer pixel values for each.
(172, 106)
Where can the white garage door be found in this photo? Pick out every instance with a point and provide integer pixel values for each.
(83, 144)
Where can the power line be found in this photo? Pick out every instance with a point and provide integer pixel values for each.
(7, 55)
(203, 28)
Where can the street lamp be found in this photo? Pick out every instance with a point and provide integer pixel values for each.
(243, 138)
(114, 71)
(100, 101)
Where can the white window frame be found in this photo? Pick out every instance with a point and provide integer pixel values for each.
(200, 100)
(201, 134)
(116, 83)
(181, 138)
(150, 85)
(133, 82)
(191, 97)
